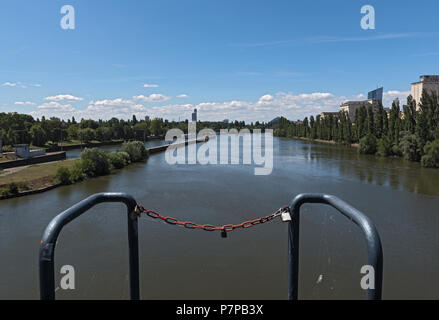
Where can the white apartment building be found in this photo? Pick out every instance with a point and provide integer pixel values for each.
(428, 83)
(350, 107)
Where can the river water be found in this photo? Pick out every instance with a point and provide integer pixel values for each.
(400, 197)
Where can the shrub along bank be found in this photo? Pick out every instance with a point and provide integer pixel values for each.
(95, 162)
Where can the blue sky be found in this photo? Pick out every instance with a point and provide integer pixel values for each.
(245, 60)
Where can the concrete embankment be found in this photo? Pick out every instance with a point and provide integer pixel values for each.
(162, 148)
(83, 145)
(49, 157)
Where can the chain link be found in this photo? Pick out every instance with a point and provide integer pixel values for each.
(208, 227)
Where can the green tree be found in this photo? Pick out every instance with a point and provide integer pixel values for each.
(39, 137)
(94, 162)
(360, 122)
(73, 132)
(380, 114)
(118, 159)
(370, 121)
(409, 122)
(410, 146)
(136, 150)
(103, 134)
(431, 155)
(156, 127)
(384, 147)
(394, 122)
(63, 176)
(86, 135)
(368, 144)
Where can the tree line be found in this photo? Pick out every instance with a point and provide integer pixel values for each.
(412, 134)
(21, 128)
(18, 128)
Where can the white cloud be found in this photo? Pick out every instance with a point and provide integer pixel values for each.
(155, 97)
(119, 108)
(335, 39)
(54, 109)
(9, 84)
(266, 98)
(268, 106)
(19, 85)
(24, 103)
(391, 95)
(56, 106)
(63, 97)
(182, 96)
(146, 85)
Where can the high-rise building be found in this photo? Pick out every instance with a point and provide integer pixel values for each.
(376, 94)
(194, 115)
(427, 83)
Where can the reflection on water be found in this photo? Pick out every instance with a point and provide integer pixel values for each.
(340, 161)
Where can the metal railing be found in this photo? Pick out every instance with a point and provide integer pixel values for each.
(50, 236)
(373, 242)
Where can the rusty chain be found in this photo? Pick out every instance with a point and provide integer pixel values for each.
(208, 227)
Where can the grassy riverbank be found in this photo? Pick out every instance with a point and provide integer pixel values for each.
(32, 177)
(93, 163)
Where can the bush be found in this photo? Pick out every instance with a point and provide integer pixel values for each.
(136, 150)
(396, 150)
(77, 173)
(94, 162)
(63, 176)
(118, 159)
(125, 156)
(22, 185)
(368, 144)
(431, 157)
(410, 147)
(384, 147)
(12, 188)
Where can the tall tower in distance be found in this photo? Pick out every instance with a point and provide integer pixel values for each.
(194, 116)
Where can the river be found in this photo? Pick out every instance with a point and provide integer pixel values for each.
(402, 199)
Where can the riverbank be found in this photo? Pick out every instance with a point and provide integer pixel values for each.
(353, 145)
(39, 178)
(94, 144)
(49, 157)
(73, 146)
(31, 179)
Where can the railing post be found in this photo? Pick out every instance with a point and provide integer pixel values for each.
(50, 236)
(293, 256)
(373, 241)
(133, 242)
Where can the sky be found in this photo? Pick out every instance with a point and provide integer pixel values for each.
(237, 60)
